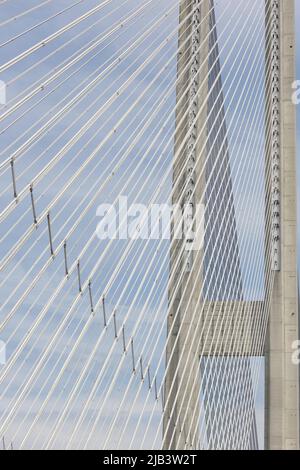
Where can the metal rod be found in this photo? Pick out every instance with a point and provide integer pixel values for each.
(66, 259)
(132, 353)
(13, 178)
(124, 342)
(104, 312)
(149, 378)
(141, 366)
(115, 325)
(50, 235)
(79, 277)
(33, 205)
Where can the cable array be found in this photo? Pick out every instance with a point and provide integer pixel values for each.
(117, 331)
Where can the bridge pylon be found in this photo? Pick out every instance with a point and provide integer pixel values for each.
(188, 277)
(282, 374)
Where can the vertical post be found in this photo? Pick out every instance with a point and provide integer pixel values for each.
(282, 375)
(182, 388)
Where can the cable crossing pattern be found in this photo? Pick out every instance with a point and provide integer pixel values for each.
(140, 215)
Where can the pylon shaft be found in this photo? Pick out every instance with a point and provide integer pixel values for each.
(282, 373)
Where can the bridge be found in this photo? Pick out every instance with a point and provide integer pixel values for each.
(148, 214)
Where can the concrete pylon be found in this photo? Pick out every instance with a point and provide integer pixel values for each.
(182, 387)
(181, 417)
(282, 375)
(202, 166)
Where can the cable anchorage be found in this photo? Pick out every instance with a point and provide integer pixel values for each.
(275, 149)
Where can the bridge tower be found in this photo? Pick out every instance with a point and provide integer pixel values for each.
(183, 384)
(282, 375)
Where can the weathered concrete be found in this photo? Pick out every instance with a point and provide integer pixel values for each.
(190, 317)
(182, 388)
(282, 376)
(179, 389)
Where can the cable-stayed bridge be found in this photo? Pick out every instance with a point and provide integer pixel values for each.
(148, 225)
